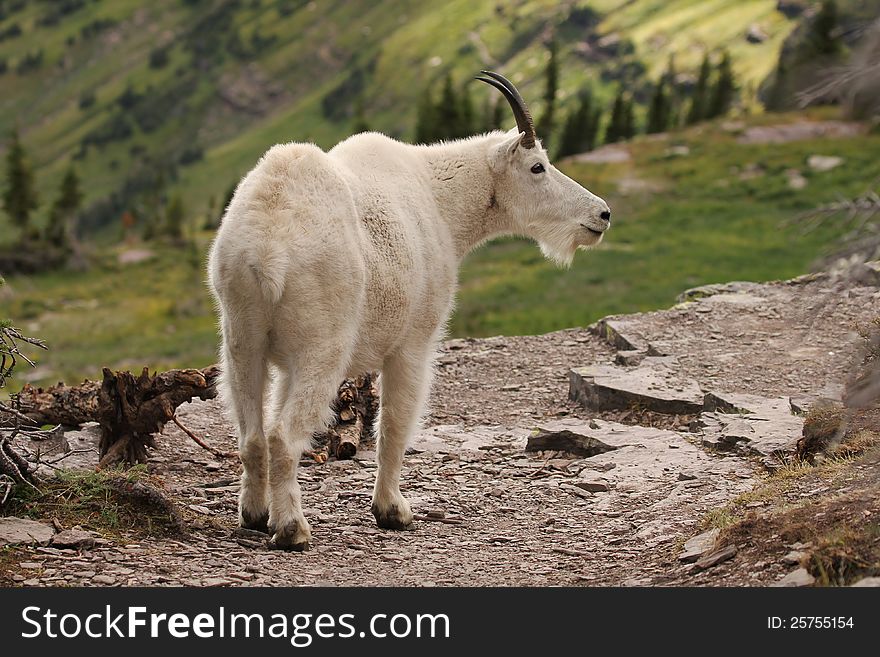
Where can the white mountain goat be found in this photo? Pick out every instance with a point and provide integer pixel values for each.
(328, 265)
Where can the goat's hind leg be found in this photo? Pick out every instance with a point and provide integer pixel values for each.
(244, 382)
(302, 398)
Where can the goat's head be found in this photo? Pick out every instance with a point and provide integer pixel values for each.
(541, 201)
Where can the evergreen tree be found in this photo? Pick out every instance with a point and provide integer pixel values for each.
(659, 110)
(673, 94)
(174, 217)
(593, 131)
(211, 221)
(546, 123)
(498, 115)
(700, 97)
(629, 120)
(58, 232)
(360, 122)
(823, 37)
(578, 133)
(20, 196)
(617, 127)
(724, 90)
(426, 119)
(492, 114)
(448, 111)
(466, 114)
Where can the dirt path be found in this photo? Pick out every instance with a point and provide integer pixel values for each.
(519, 518)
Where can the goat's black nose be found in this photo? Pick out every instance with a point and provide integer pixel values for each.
(606, 215)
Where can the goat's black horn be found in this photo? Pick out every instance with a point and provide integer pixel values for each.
(521, 112)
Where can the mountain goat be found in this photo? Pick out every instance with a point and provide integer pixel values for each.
(328, 265)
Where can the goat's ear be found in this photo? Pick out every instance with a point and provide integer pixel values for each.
(501, 154)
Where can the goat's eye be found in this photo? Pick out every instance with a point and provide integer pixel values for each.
(537, 168)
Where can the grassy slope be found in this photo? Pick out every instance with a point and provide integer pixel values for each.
(317, 47)
(702, 224)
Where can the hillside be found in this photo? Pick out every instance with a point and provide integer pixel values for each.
(188, 93)
(709, 204)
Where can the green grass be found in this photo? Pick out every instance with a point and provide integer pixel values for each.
(154, 314)
(701, 224)
(115, 503)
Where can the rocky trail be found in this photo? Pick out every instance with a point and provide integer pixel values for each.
(581, 457)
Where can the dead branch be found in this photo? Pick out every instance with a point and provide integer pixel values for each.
(198, 441)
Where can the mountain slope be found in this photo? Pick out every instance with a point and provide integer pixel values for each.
(189, 93)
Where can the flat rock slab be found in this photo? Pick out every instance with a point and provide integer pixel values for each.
(740, 291)
(621, 334)
(750, 425)
(651, 385)
(582, 438)
(74, 450)
(17, 531)
(796, 578)
(637, 461)
(74, 538)
(454, 438)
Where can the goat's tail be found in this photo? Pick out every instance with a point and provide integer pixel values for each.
(269, 264)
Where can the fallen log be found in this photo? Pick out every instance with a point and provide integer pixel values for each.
(61, 404)
(355, 407)
(132, 409)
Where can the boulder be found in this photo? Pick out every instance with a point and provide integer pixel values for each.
(22, 531)
(651, 385)
(822, 163)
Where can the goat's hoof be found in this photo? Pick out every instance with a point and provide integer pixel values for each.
(255, 523)
(392, 518)
(291, 538)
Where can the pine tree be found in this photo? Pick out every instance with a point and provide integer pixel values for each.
(823, 36)
(20, 196)
(700, 97)
(448, 111)
(174, 217)
(659, 110)
(615, 129)
(593, 130)
(465, 114)
(577, 131)
(426, 119)
(59, 230)
(546, 123)
(673, 94)
(359, 123)
(492, 116)
(724, 90)
(629, 120)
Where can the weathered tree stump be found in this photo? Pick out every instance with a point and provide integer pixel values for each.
(129, 409)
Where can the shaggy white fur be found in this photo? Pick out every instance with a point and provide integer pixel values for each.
(328, 265)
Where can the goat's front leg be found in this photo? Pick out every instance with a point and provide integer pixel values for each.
(406, 380)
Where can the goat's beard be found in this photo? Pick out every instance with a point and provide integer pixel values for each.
(560, 243)
(561, 255)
